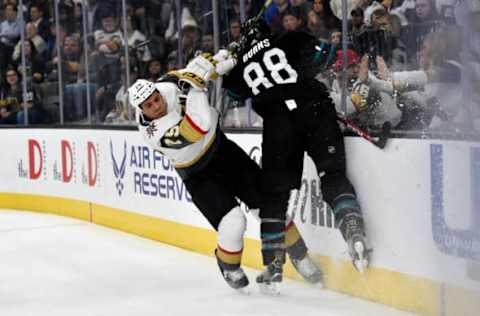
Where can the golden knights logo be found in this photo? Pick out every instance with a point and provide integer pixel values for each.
(151, 129)
(119, 170)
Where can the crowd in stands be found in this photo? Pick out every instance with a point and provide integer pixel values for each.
(407, 60)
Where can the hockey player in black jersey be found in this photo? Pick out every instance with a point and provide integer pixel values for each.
(175, 118)
(298, 116)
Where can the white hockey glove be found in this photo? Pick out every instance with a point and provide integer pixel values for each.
(225, 62)
(198, 72)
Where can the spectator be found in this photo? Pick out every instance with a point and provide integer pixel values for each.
(135, 38)
(367, 107)
(78, 19)
(424, 11)
(70, 58)
(121, 112)
(66, 16)
(352, 70)
(190, 40)
(304, 7)
(316, 27)
(274, 14)
(37, 17)
(248, 9)
(74, 80)
(356, 24)
(146, 13)
(235, 31)
(422, 20)
(323, 10)
(335, 37)
(472, 56)
(171, 33)
(11, 104)
(96, 10)
(9, 35)
(109, 39)
(10, 97)
(60, 33)
(292, 20)
(37, 40)
(434, 89)
(34, 63)
(16, 5)
(108, 43)
(34, 109)
(207, 44)
(154, 70)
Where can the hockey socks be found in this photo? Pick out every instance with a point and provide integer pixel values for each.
(298, 253)
(350, 222)
(229, 264)
(273, 252)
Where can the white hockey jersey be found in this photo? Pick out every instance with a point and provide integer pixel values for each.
(188, 130)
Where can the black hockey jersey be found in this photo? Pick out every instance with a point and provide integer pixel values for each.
(277, 73)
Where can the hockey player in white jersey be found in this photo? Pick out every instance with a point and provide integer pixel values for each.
(175, 118)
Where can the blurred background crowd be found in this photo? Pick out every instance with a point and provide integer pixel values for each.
(415, 63)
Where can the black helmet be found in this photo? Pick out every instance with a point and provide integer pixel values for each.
(254, 30)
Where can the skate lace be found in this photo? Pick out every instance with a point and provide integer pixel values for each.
(354, 225)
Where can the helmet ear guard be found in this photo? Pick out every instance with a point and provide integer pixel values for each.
(140, 91)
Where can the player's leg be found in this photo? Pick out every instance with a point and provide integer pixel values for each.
(281, 171)
(230, 247)
(218, 205)
(298, 252)
(247, 174)
(325, 145)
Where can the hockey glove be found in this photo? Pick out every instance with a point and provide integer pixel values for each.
(225, 61)
(197, 72)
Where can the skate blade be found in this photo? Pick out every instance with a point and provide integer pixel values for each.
(271, 289)
(316, 281)
(360, 262)
(318, 285)
(244, 291)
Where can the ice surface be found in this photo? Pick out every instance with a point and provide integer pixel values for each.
(51, 265)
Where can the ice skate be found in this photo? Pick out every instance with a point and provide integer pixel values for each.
(353, 231)
(233, 275)
(237, 279)
(270, 279)
(359, 252)
(308, 269)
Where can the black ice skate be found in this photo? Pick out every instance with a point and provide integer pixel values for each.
(233, 275)
(352, 229)
(308, 269)
(270, 279)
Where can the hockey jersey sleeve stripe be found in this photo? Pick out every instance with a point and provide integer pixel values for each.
(198, 157)
(190, 130)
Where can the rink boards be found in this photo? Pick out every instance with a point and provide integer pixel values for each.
(421, 200)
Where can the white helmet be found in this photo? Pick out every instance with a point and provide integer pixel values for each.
(139, 92)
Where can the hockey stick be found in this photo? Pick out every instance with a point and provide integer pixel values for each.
(262, 10)
(381, 142)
